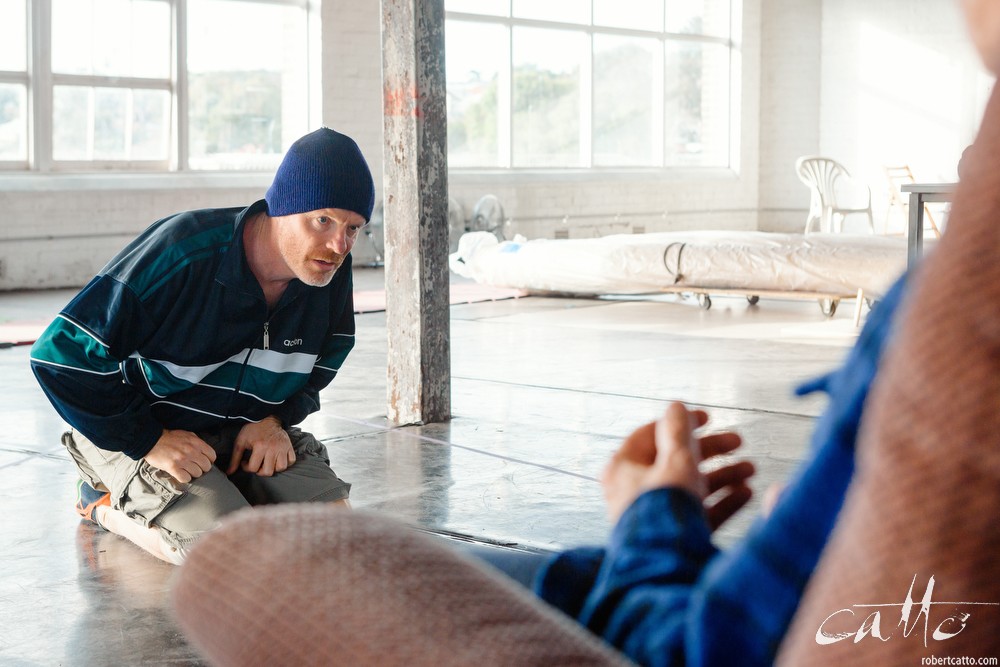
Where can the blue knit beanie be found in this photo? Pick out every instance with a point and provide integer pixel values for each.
(324, 169)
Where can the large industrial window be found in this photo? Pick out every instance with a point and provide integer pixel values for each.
(13, 82)
(158, 85)
(539, 84)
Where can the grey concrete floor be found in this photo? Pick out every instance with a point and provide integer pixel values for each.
(543, 391)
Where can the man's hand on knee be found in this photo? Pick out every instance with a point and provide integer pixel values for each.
(270, 448)
(182, 454)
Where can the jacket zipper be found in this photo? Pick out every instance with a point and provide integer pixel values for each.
(243, 368)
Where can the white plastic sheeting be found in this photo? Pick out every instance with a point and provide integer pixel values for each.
(837, 264)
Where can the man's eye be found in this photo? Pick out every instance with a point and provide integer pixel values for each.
(323, 220)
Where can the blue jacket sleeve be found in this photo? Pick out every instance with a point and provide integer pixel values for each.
(635, 592)
(77, 362)
(655, 557)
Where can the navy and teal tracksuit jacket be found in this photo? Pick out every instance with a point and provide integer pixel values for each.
(174, 333)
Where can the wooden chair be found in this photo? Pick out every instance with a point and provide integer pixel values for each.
(898, 176)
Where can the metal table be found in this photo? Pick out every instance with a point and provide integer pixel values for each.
(920, 194)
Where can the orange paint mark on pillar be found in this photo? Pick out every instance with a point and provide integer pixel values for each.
(402, 102)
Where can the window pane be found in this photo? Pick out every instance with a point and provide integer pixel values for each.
(13, 35)
(490, 7)
(111, 37)
(476, 54)
(697, 104)
(71, 119)
(150, 125)
(110, 113)
(546, 97)
(249, 92)
(636, 14)
(626, 88)
(564, 11)
(699, 17)
(110, 124)
(13, 122)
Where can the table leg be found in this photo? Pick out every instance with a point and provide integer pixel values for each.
(915, 229)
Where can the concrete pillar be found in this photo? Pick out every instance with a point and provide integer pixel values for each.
(415, 187)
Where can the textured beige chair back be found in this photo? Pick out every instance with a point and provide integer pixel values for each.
(309, 584)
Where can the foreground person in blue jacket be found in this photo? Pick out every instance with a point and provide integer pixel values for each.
(184, 366)
(659, 590)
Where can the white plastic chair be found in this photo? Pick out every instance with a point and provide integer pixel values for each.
(821, 175)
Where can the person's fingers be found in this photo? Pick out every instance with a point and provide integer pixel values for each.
(267, 466)
(234, 460)
(728, 505)
(673, 432)
(193, 468)
(729, 475)
(201, 461)
(256, 460)
(206, 449)
(675, 445)
(719, 443)
(640, 445)
(677, 460)
(284, 460)
(181, 475)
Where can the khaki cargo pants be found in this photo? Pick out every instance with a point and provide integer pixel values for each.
(182, 511)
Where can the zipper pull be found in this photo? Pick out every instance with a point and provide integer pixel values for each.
(267, 337)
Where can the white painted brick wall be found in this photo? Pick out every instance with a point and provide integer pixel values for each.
(901, 85)
(54, 237)
(352, 75)
(789, 116)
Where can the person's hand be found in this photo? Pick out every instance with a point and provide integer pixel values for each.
(181, 454)
(667, 453)
(269, 446)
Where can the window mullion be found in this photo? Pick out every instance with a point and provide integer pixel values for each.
(659, 119)
(180, 80)
(505, 102)
(99, 81)
(40, 87)
(587, 104)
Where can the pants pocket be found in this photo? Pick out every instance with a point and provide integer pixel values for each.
(144, 491)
